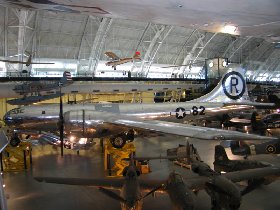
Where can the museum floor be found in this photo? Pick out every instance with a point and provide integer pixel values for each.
(24, 193)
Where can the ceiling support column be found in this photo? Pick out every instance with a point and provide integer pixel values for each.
(98, 44)
(189, 56)
(239, 47)
(205, 45)
(153, 48)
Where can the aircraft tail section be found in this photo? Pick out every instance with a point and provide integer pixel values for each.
(67, 78)
(221, 163)
(232, 88)
(220, 154)
(137, 55)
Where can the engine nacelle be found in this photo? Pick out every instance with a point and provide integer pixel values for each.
(202, 169)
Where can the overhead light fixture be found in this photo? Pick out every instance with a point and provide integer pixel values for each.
(229, 29)
(211, 64)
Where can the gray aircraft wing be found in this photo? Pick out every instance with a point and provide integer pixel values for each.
(198, 183)
(256, 173)
(176, 128)
(11, 61)
(105, 183)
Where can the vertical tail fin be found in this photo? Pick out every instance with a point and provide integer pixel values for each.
(220, 154)
(137, 55)
(231, 88)
(67, 78)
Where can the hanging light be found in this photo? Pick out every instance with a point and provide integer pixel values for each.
(229, 29)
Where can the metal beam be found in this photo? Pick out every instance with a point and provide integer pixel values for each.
(82, 38)
(153, 48)
(201, 50)
(230, 46)
(239, 47)
(189, 56)
(6, 19)
(98, 43)
(142, 36)
(183, 46)
(22, 16)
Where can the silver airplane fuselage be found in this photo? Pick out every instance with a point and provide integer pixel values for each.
(88, 117)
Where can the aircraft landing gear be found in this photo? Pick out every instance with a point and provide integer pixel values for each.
(215, 205)
(120, 140)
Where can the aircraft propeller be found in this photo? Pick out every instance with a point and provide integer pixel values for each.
(153, 190)
(112, 195)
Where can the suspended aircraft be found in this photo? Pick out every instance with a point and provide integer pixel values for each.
(120, 121)
(27, 63)
(224, 193)
(37, 87)
(115, 60)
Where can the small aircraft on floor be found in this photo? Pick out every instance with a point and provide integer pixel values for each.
(223, 163)
(131, 188)
(221, 188)
(27, 63)
(115, 60)
(244, 148)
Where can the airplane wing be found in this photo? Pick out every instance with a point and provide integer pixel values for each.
(198, 183)
(112, 55)
(177, 128)
(10, 61)
(40, 63)
(105, 183)
(256, 173)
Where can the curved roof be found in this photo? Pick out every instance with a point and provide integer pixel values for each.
(81, 40)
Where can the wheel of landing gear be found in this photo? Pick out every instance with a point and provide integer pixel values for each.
(270, 149)
(118, 142)
(14, 142)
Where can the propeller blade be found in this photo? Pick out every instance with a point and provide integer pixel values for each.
(152, 191)
(111, 194)
(213, 187)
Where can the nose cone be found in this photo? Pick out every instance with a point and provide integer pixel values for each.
(11, 119)
(131, 204)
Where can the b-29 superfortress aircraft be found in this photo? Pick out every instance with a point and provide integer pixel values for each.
(120, 121)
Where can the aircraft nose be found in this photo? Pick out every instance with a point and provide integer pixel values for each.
(11, 120)
(131, 204)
